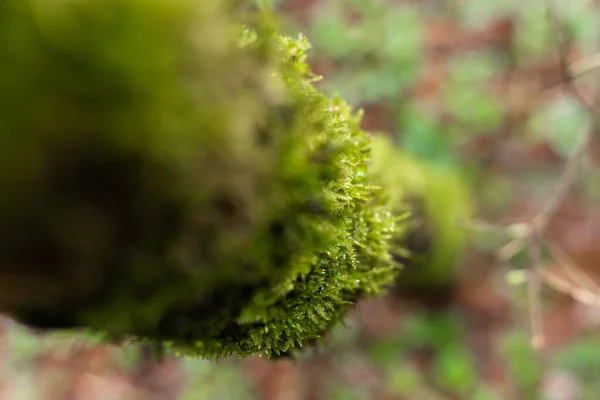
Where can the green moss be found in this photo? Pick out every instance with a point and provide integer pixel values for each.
(439, 200)
(332, 227)
(113, 113)
(175, 185)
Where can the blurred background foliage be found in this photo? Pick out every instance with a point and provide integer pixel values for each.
(465, 89)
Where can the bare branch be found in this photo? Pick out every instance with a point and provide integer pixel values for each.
(567, 288)
(562, 44)
(585, 66)
(574, 273)
(570, 172)
(565, 182)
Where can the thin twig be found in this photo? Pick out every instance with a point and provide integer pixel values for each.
(480, 226)
(570, 172)
(573, 272)
(565, 181)
(584, 66)
(563, 286)
(442, 392)
(562, 44)
(576, 70)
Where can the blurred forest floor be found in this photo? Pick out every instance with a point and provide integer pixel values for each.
(472, 84)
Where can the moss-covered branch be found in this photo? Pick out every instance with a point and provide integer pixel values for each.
(170, 176)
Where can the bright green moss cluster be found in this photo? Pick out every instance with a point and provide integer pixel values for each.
(173, 177)
(438, 200)
(332, 227)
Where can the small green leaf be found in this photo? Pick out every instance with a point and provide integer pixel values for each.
(581, 357)
(522, 360)
(403, 380)
(485, 393)
(422, 136)
(580, 18)
(382, 83)
(403, 42)
(454, 369)
(473, 68)
(474, 107)
(533, 31)
(478, 14)
(331, 35)
(343, 393)
(560, 123)
(516, 277)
